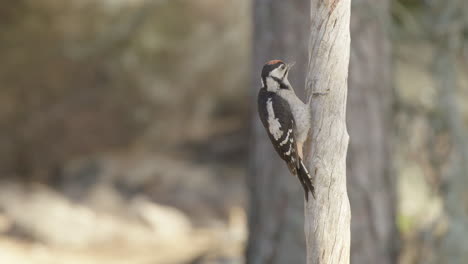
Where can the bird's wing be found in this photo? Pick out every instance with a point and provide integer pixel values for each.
(278, 121)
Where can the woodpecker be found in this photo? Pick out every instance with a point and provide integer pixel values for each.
(286, 119)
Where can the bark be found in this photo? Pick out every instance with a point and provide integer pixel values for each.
(328, 218)
(276, 197)
(371, 184)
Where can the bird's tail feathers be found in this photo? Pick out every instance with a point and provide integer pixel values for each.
(306, 180)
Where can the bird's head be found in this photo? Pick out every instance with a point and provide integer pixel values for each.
(275, 75)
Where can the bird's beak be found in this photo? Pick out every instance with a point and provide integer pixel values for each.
(290, 65)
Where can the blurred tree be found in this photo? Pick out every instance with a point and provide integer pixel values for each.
(371, 184)
(107, 79)
(276, 199)
(54, 107)
(447, 33)
(441, 26)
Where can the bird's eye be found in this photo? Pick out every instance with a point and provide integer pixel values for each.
(282, 67)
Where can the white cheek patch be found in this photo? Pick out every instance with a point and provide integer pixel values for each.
(274, 125)
(272, 85)
(272, 81)
(277, 73)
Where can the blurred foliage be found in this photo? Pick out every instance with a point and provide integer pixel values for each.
(55, 107)
(85, 77)
(431, 114)
(115, 108)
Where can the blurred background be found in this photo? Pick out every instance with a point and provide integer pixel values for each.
(128, 132)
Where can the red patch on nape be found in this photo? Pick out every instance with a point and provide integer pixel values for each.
(273, 62)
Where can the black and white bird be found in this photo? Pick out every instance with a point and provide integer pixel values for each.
(286, 119)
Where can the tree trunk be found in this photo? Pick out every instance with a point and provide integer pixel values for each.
(370, 182)
(328, 218)
(276, 197)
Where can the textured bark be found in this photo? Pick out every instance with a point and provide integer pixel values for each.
(276, 198)
(328, 218)
(370, 182)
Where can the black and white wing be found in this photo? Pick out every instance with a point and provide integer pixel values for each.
(276, 116)
(278, 121)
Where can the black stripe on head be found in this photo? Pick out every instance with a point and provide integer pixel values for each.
(281, 83)
(269, 67)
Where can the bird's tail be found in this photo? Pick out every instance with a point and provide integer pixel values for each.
(306, 180)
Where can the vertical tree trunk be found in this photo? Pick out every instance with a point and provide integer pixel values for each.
(370, 182)
(328, 218)
(276, 198)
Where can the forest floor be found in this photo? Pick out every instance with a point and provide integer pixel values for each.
(116, 218)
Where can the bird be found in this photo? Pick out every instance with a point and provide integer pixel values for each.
(286, 120)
